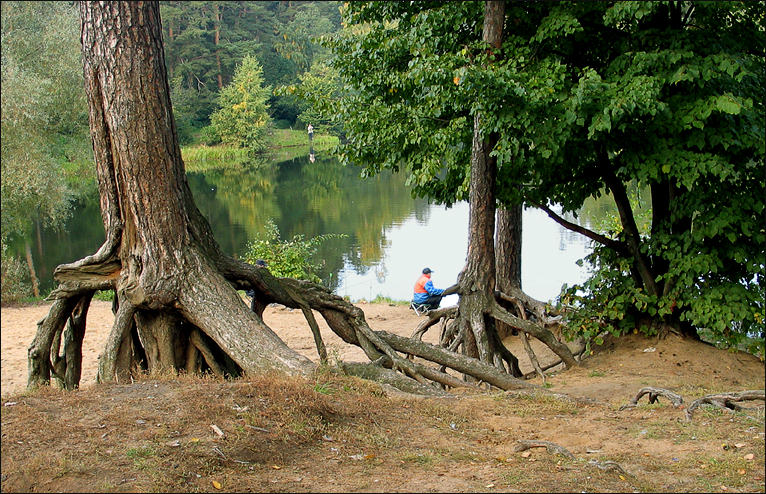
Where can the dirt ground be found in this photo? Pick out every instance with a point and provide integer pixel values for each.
(334, 433)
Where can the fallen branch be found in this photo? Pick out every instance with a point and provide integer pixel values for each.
(725, 400)
(654, 393)
(552, 448)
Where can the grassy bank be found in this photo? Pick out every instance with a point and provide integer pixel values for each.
(282, 145)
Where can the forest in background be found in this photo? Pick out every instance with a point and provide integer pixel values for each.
(45, 120)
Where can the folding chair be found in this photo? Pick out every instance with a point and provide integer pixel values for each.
(420, 309)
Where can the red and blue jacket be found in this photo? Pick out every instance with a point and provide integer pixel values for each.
(425, 288)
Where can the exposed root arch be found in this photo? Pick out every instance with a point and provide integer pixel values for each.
(654, 394)
(209, 317)
(727, 401)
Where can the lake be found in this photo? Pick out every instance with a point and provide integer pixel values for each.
(388, 237)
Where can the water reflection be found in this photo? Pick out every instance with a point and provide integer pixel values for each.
(389, 238)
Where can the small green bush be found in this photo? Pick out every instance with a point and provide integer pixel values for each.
(209, 136)
(14, 279)
(287, 258)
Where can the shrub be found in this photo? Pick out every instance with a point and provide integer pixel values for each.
(287, 258)
(14, 280)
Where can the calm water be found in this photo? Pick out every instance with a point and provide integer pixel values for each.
(388, 236)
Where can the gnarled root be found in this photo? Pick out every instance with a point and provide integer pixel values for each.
(552, 448)
(609, 465)
(654, 393)
(728, 401)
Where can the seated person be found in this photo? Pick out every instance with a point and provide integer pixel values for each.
(425, 294)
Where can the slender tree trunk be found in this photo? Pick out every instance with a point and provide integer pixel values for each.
(479, 312)
(508, 258)
(477, 280)
(39, 239)
(508, 247)
(32, 272)
(217, 40)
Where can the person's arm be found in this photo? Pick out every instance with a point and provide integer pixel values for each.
(431, 289)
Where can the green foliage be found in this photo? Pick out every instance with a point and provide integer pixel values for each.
(14, 278)
(242, 116)
(292, 258)
(45, 144)
(104, 295)
(397, 64)
(318, 88)
(205, 41)
(298, 37)
(587, 99)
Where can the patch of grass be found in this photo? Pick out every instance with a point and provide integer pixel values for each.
(596, 373)
(464, 456)
(422, 459)
(104, 295)
(202, 157)
(285, 138)
(141, 452)
(533, 404)
(380, 299)
(730, 470)
(323, 388)
(69, 465)
(443, 415)
(656, 429)
(512, 478)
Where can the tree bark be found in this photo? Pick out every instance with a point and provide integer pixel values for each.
(217, 40)
(508, 257)
(32, 272)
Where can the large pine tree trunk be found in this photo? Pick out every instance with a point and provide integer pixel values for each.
(160, 256)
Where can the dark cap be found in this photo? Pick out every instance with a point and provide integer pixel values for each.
(260, 262)
(427, 271)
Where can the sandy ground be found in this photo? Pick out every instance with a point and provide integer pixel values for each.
(614, 373)
(19, 324)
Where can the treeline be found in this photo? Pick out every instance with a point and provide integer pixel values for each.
(205, 42)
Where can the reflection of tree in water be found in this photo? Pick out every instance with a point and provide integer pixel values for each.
(309, 199)
(326, 197)
(239, 194)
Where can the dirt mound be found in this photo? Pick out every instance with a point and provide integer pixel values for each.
(334, 433)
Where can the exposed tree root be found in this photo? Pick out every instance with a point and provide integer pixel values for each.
(552, 448)
(525, 342)
(150, 332)
(382, 375)
(727, 401)
(654, 393)
(609, 465)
